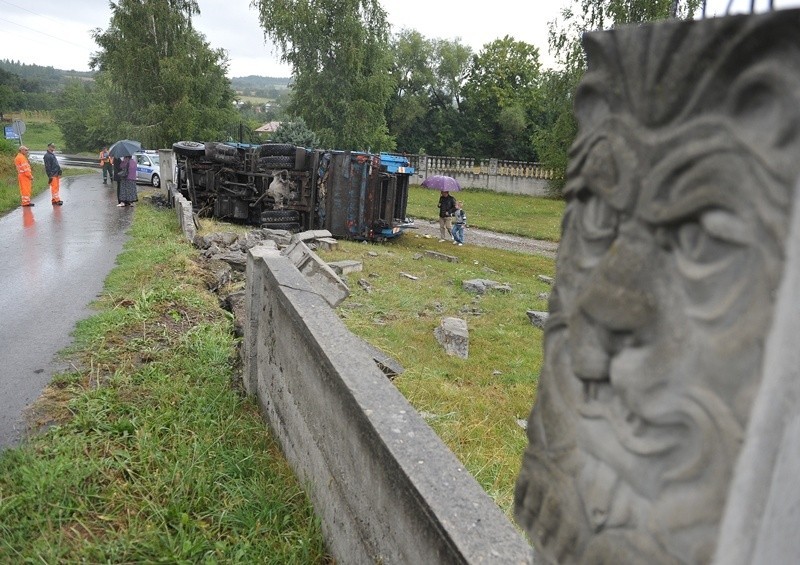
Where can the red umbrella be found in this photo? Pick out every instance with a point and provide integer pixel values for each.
(442, 182)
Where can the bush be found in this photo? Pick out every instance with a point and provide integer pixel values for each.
(8, 147)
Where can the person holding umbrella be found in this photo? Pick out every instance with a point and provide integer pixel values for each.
(119, 150)
(127, 191)
(447, 209)
(447, 204)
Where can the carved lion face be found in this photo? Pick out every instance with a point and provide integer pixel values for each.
(678, 198)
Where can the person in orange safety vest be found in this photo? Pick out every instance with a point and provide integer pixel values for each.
(24, 175)
(106, 162)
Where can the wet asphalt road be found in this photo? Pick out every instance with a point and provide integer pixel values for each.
(53, 261)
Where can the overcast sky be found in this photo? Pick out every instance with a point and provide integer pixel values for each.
(57, 33)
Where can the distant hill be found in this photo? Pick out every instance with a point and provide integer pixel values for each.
(48, 78)
(253, 82)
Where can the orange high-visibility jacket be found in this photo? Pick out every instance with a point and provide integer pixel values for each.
(105, 157)
(23, 168)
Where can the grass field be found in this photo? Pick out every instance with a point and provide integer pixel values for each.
(151, 456)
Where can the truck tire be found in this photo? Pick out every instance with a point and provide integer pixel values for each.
(277, 149)
(189, 148)
(278, 162)
(279, 216)
(288, 226)
(215, 150)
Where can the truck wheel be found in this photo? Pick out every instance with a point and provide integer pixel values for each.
(277, 162)
(270, 216)
(189, 148)
(289, 226)
(216, 150)
(277, 149)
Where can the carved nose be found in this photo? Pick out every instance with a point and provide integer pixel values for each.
(616, 304)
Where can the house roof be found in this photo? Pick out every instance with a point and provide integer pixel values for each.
(269, 127)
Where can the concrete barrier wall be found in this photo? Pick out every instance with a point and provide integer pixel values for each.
(183, 209)
(387, 490)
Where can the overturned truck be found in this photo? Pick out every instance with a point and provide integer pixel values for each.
(353, 195)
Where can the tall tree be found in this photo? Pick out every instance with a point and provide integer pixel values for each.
(500, 95)
(165, 82)
(340, 59)
(552, 142)
(424, 110)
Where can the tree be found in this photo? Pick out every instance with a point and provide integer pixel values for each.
(552, 141)
(82, 115)
(296, 132)
(500, 95)
(165, 82)
(429, 76)
(338, 50)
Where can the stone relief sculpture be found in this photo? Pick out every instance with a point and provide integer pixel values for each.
(679, 192)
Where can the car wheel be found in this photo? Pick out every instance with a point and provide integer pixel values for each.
(156, 182)
(189, 148)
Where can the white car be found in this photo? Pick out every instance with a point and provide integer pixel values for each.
(147, 168)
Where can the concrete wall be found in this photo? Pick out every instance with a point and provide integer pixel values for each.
(385, 487)
(183, 209)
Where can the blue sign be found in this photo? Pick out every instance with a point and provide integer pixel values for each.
(10, 133)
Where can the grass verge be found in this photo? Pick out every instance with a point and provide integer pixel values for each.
(526, 216)
(475, 405)
(150, 454)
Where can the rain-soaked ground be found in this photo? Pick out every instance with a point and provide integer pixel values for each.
(53, 261)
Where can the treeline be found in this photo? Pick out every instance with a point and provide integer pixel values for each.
(354, 85)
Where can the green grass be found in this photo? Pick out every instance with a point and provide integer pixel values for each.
(151, 455)
(526, 216)
(40, 130)
(472, 404)
(9, 187)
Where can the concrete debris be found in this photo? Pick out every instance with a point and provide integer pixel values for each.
(322, 278)
(453, 335)
(441, 256)
(538, 318)
(346, 267)
(363, 283)
(481, 286)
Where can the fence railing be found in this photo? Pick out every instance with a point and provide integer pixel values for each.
(469, 165)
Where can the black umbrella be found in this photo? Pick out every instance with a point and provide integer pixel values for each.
(125, 148)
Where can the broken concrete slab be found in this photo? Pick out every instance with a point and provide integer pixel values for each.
(538, 318)
(453, 335)
(308, 235)
(322, 278)
(441, 256)
(347, 266)
(327, 243)
(481, 286)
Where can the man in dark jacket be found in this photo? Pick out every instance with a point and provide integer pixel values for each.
(53, 171)
(447, 209)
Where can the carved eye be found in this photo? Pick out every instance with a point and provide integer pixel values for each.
(598, 220)
(710, 236)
